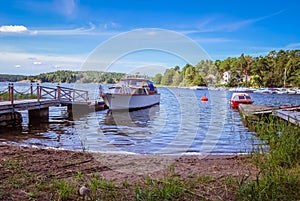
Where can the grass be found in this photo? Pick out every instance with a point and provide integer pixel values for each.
(5, 96)
(65, 190)
(279, 176)
(164, 189)
(21, 184)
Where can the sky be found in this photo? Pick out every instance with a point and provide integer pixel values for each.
(38, 36)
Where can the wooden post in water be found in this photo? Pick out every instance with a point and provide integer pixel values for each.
(38, 91)
(73, 95)
(37, 116)
(58, 92)
(11, 92)
(8, 91)
(31, 90)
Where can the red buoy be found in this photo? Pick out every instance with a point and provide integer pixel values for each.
(204, 98)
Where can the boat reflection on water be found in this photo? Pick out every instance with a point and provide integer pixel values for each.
(125, 128)
(140, 118)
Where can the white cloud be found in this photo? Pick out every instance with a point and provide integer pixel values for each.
(31, 64)
(37, 63)
(91, 30)
(88, 30)
(293, 45)
(13, 29)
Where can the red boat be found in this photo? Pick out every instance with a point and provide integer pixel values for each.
(238, 98)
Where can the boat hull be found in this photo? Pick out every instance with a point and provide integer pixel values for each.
(235, 103)
(131, 102)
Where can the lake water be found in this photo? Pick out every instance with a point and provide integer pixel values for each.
(180, 124)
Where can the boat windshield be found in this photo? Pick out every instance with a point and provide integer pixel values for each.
(134, 82)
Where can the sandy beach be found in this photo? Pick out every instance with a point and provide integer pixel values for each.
(119, 168)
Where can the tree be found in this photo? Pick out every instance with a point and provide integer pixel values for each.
(177, 78)
(167, 78)
(189, 73)
(157, 78)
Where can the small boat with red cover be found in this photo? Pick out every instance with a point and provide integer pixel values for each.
(238, 98)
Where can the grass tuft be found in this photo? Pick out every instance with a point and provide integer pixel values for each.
(279, 165)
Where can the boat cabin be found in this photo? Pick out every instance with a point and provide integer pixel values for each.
(238, 98)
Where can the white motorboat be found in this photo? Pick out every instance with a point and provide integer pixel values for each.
(131, 93)
(242, 89)
(199, 87)
(263, 91)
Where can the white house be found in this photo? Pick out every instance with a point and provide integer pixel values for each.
(226, 77)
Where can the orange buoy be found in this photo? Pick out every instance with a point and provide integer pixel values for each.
(204, 98)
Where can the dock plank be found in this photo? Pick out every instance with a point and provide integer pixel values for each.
(248, 110)
(292, 116)
(28, 104)
(252, 112)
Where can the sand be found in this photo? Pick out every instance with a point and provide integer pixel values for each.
(125, 167)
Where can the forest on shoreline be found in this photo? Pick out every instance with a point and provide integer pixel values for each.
(66, 76)
(276, 69)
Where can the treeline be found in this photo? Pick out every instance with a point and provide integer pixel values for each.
(276, 69)
(64, 76)
(203, 73)
(11, 78)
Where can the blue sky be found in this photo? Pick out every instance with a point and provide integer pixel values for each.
(40, 36)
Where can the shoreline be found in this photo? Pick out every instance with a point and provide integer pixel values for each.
(196, 154)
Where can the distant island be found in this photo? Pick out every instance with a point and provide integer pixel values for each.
(65, 76)
(276, 69)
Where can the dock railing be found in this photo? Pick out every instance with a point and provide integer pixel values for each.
(70, 94)
(44, 92)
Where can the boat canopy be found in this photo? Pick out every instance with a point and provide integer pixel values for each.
(137, 82)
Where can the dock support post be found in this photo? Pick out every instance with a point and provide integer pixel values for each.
(58, 91)
(70, 111)
(11, 92)
(31, 90)
(38, 115)
(12, 119)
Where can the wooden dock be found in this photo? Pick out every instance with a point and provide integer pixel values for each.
(33, 104)
(289, 114)
(28, 104)
(253, 112)
(76, 100)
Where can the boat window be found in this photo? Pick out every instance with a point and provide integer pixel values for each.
(138, 83)
(139, 91)
(241, 97)
(133, 82)
(123, 82)
(248, 97)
